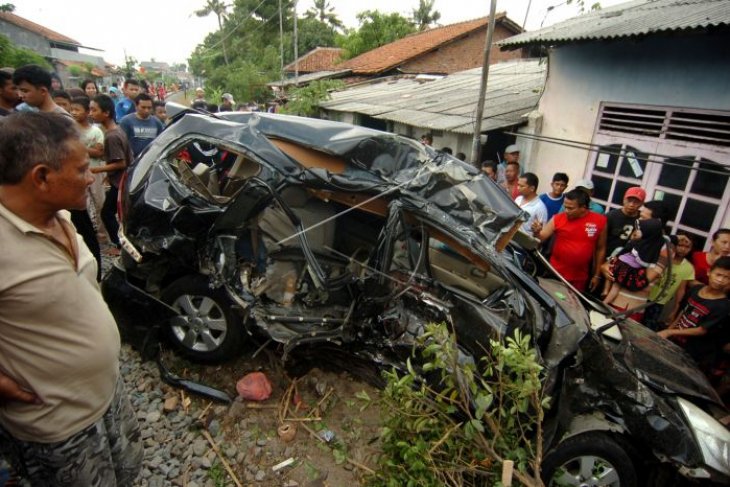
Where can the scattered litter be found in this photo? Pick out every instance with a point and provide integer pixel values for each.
(254, 387)
(283, 464)
(327, 435)
(287, 432)
(170, 404)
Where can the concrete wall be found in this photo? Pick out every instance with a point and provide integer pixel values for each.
(682, 71)
(68, 55)
(464, 53)
(23, 38)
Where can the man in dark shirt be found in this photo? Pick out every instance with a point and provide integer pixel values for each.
(141, 127)
(118, 157)
(620, 224)
(34, 85)
(8, 93)
(701, 328)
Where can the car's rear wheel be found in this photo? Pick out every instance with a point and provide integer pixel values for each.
(589, 460)
(206, 328)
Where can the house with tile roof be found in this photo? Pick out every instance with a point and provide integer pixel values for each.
(638, 94)
(62, 51)
(318, 59)
(318, 64)
(439, 51)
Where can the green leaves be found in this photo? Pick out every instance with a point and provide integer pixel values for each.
(376, 29)
(305, 101)
(460, 432)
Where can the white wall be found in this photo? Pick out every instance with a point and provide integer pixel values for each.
(684, 71)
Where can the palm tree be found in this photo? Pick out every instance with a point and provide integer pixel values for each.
(218, 8)
(325, 13)
(425, 15)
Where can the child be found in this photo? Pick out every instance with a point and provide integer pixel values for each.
(672, 287)
(699, 328)
(93, 139)
(62, 99)
(631, 268)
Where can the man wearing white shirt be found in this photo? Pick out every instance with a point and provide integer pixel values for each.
(529, 201)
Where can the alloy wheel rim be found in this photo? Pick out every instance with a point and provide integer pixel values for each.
(201, 325)
(586, 471)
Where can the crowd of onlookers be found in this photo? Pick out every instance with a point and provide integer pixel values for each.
(627, 256)
(630, 259)
(115, 127)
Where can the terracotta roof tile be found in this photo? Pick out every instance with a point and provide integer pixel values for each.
(396, 53)
(318, 59)
(45, 32)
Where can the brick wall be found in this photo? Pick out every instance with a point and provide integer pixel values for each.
(464, 53)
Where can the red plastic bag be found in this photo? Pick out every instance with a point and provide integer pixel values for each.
(254, 387)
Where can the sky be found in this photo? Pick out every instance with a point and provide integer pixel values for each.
(167, 30)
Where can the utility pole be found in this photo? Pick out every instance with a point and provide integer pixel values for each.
(296, 48)
(281, 45)
(476, 144)
(527, 12)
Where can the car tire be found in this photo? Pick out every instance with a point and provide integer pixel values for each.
(207, 328)
(591, 460)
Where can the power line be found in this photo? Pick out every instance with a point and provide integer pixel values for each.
(590, 147)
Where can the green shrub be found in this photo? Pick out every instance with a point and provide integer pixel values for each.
(460, 433)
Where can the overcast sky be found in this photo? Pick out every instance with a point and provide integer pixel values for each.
(167, 30)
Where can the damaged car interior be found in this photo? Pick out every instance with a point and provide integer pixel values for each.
(336, 243)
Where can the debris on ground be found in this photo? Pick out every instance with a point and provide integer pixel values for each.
(174, 425)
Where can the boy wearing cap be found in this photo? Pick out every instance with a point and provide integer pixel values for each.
(227, 103)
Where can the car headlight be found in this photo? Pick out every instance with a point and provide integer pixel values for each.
(712, 437)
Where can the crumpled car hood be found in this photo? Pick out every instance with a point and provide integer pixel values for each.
(661, 364)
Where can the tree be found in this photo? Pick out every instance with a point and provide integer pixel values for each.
(314, 33)
(7, 7)
(325, 13)
(425, 15)
(376, 29)
(129, 65)
(15, 57)
(219, 9)
(305, 101)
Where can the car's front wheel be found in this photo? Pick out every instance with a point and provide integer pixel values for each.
(206, 328)
(589, 460)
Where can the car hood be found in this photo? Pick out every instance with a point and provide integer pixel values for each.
(661, 364)
(374, 163)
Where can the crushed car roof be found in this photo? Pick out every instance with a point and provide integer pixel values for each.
(373, 162)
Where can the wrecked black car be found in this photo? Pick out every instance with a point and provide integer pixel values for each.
(339, 243)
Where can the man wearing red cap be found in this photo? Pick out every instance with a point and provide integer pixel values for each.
(619, 226)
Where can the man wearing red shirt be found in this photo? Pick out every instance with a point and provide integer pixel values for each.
(578, 233)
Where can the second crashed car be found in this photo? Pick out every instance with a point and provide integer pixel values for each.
(341, 243)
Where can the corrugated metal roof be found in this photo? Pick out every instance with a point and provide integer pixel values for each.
(638, 18)
(448, 103)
